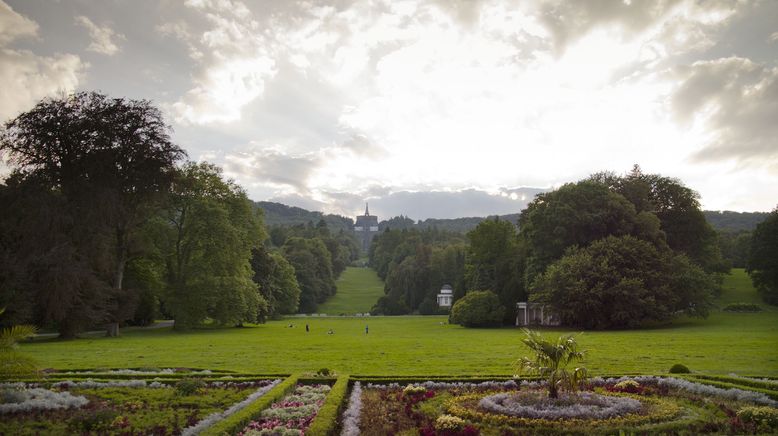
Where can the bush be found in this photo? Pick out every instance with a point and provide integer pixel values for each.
(388, 306)
(763, 418)
(679, 369)
(190, 386)
(477, 309)
(743, 307)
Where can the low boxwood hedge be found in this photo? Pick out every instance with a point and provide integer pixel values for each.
(326, 419)
(236, 422)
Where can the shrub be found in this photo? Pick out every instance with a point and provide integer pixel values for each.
(743, 307)
(189, 386)
(763, 418)
(327, 418)
(477, 309)
(679, 369)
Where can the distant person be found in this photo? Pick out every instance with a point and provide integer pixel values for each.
(291, 325)
(307, 329)
(330, 332)
(365, 328)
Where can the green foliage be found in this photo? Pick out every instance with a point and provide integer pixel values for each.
(495, 262)
(678, 209)
(237, 421)
(742, 307)
(13, 364)
(90, 421)
(477, 309)
(415, 264)
(207, 236)
(190, 386)
(277, 282)
(326, 419)
(763, 418)
(551, 360)
(679, 368)
(763, 258)
(622, 282)
(91, 151)
(577, 215)
(312, 264)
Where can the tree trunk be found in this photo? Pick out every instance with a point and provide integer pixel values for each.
(118, 277)
(553, 390)
(112, 329)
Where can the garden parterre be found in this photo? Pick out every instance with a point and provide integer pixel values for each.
(192, 403)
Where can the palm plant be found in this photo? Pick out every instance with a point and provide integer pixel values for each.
(14, 364)
(551, 360)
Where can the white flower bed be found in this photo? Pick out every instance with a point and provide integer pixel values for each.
(351, 415)
(91, 384)
(733, 394)
(538, 406)
(30, 399)
(218, 416)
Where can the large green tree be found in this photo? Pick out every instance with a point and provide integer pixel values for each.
(763, 258)
(495, 262)
(623, 282)
(312, 264)
(112, 160)
(207, 236)
(277, 281)
(678, 209)
(578, 214)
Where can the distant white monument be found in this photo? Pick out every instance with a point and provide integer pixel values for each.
(446, 296)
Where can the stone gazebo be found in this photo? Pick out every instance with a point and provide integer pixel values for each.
(445, 297)
(535, 314)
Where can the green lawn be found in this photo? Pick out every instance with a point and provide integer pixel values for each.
(358, 291)
(742, 343)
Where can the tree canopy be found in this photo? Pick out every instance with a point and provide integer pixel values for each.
(763, 258)
(622, 282)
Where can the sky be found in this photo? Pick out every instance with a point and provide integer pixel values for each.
(430, 109)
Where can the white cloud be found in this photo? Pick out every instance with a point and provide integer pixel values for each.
(27, 77)
(103, 37)
(234, 63)
(14, 25)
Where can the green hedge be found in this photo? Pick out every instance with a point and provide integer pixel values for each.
(729, 382)
(236, 422)
(326, 419)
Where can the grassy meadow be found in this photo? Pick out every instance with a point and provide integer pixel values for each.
(742, 343)
(358, 291)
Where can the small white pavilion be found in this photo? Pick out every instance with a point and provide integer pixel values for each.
(446, 296)
(535, 314)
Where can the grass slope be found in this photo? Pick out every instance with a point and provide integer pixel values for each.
(724, 343)
(358, 291)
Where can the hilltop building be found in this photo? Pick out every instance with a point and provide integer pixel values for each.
(365, 229)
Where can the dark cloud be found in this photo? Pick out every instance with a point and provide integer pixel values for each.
(737, 102)
(273, 167)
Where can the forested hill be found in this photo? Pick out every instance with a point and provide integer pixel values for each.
(281, 214)
(729, 221)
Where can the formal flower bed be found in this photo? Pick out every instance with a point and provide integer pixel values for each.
(120, 406)
(604, 406)
(290, 416)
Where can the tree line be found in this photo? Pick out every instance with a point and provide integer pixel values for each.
(105, 221)
(609, 251)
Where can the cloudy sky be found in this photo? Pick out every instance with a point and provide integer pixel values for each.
(427, 108)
